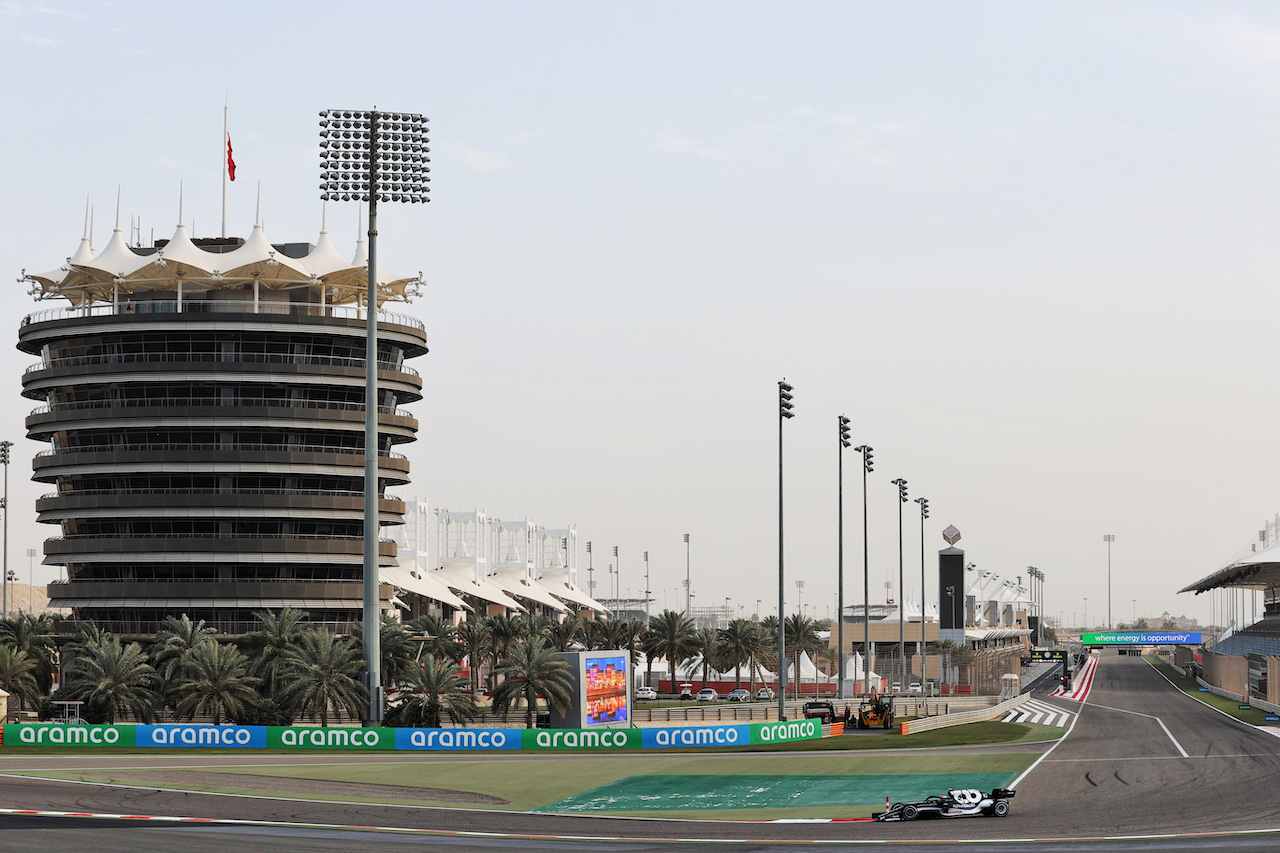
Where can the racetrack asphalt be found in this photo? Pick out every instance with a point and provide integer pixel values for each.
(1142, 758)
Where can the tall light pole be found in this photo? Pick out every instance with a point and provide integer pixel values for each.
(591, 572)
(688, 585)
(1109, 538)
(616, 567)
(867, 468)
(924, 659)
(785, 412)
(757, 610)
(372, 156)
(31, 580)
(1085, 619)
(844, 442)
(800, 597)
(4, 504)
(902, 633)
(646, 589)
(1037, 601)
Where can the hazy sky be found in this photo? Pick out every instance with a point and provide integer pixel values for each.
(1027, 248)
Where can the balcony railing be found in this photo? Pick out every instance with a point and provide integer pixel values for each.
(221, 306)
(213, 402)
(232, 447)
(248, 537)
(328, 493)
(215, 357)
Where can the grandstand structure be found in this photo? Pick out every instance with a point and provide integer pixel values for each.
(1239, 661)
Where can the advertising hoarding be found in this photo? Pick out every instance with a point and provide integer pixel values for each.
(600, 692)
(1141, 638)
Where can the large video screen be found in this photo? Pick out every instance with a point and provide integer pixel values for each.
(604, 682)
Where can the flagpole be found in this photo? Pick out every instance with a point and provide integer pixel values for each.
(224, 171)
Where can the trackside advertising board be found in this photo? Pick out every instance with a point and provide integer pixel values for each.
(311, 738)
(1119, 638)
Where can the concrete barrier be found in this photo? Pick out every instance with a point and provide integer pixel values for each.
(981, 715)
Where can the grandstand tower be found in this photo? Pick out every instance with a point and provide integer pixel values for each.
(203, 401)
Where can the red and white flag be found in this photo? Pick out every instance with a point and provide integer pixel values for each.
(231, 164)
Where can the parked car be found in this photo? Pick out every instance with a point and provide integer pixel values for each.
(765, 693)
(686, 691)
(741, 694)
(708, 694)
(824, 711)
(646, 693)
(915, 687)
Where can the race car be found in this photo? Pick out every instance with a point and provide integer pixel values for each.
(963, 803)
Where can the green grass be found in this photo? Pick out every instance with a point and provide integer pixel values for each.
(1254, 716)
(538, 782)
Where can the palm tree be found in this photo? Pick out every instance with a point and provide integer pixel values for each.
(17, 675)
(531, 671)
(674, 639)
(739, 643)
(111, 679)
(395, 650)
(278, 635)
(594, 634)
(473, 635)
(440, 640)
(435, 688)
(504, 631)
(323, 673)
(562, 635)
(802, 638)
(214, 678)
(708, 646)
(33, 635)
(177, 637)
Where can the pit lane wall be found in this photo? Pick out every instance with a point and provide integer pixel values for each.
(994, 712)
(434, 740)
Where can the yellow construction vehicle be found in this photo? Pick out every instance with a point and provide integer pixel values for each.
(875, 710)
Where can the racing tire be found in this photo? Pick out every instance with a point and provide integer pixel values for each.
(886, 722)
(1000, 808)
(910, 812)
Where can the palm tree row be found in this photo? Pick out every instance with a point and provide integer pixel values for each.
(433, 669)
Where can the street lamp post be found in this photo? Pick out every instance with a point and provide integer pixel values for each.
(31, 580)
(1109, 538)
(616, 566)
(591, 572)
(844, 442)
(902, 634)
(4, 504)
(688, 585)
(924, 658)
(800, 597)
(867, 468)
(646, 589)
(1084, 620)
(758, 609)
(373, 156)
(785, 412)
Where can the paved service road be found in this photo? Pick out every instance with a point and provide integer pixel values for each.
(1142, 758)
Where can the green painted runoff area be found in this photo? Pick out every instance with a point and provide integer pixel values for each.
(689, 793)
(538, 782)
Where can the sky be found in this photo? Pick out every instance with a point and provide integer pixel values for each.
(1026, 248)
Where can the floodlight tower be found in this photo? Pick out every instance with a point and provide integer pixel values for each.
(924, 658)
(843, 424)
(372, 156)
(785, 412)
(1109, 538)
(868, 465)
(4, 459)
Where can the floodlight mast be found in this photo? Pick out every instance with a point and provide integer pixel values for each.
(360, 165)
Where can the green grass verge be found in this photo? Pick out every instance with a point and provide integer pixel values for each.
(1230, 707)
(547, 779)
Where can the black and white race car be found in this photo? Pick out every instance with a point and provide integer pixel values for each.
(963, 803)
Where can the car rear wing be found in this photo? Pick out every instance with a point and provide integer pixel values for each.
(1002, 793)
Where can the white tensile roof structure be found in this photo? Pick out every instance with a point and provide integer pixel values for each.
(119, 270)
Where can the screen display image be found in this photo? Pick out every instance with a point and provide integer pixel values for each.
(605, 685)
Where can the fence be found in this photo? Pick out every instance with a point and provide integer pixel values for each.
(958, 719)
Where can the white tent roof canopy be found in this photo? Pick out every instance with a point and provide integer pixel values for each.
(120, 269)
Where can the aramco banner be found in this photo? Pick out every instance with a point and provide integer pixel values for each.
(348, 738)
(1123, 638)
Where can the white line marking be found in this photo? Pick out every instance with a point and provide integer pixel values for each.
(1149, 717)
(1047, 752)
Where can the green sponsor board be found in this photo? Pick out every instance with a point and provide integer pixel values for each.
(580, 739)
(790, 730)
(68, 735)
(279, 737)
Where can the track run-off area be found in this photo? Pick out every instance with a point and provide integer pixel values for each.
(1138, 758)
